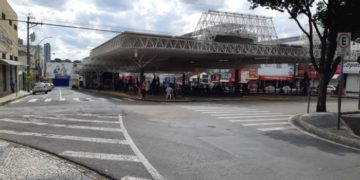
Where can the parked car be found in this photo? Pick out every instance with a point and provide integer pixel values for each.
(39, 87)
(331, 89)
(48, 86)
(270, 89)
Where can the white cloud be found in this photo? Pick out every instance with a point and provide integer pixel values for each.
(174, 17)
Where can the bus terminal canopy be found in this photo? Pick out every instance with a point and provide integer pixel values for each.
(221, 40)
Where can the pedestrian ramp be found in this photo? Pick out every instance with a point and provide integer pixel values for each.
(261, 119)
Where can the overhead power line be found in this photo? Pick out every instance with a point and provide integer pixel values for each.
(65, 26)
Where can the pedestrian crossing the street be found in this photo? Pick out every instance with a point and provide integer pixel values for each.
(97, 133)
(260, 119)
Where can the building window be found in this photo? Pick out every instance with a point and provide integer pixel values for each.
(11, 57)
(3, 16)
(10, 22)
(4, 56)
(15, 27)
(16, 58)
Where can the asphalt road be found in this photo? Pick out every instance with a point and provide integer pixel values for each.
(124, 139)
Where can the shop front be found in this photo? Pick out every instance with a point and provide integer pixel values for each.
(352, 76)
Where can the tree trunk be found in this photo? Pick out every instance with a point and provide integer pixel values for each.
(322, 91)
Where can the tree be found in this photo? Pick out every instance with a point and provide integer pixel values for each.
(325, 18)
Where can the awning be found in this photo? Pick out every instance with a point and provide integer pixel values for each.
(279, 78)
(13, 63)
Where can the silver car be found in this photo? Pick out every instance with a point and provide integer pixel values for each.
(39, 87)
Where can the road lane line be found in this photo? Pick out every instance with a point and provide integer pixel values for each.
(132, 178)
(265, 124)
(255, 120)
(241, 117)
(246, 114)
(150, 168)
(73, 138)
(61, 98)
(62, 125)
(101, 156)
(74, 120)
(89, 99)
(221, 112)
(76, 99)
(17, 101)
(48, 100)
(275, 128)
(32, 100)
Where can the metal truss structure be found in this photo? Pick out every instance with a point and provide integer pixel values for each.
(212, 23)
(144, 41)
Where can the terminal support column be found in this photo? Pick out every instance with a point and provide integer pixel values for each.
(237, 88)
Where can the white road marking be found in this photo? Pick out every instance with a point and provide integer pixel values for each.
(72, 119)
(241, 117)
(62, 125)
(17, 101)
(73, 138)
(89, 115)
(265, 124)
(116, 99)
(102, 99)
(128, 99)
(76, 99)
(274, 128)
(246, 114)
(60, 96)
(32, 100)
(154, 173)
(132, 178)
(101, 156)
(48, 100)
(89, 99)
(255, 120)
(221, 112)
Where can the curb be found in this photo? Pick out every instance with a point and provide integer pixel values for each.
(86, 168)
(318, 133)
(134, 98)
(11, 100)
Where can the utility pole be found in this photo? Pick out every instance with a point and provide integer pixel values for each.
(28, 53)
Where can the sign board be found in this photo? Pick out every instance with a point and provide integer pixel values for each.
(59, 70)
(351, 67)
(344, 41)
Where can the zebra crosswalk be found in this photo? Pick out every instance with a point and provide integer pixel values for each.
(85, 138)
(261, 119)
(75, 99)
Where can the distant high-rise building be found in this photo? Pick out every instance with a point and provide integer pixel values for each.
(47, 52)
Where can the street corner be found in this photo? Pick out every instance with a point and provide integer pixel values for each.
(323, 126)
(13, 97)
(21, 162)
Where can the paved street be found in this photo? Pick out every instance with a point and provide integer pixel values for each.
(127, 139)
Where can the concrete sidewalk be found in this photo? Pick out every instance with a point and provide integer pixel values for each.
(324, 126)
(12, 97)
(20, 162)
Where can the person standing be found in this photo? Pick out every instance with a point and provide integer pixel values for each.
(12, 85)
